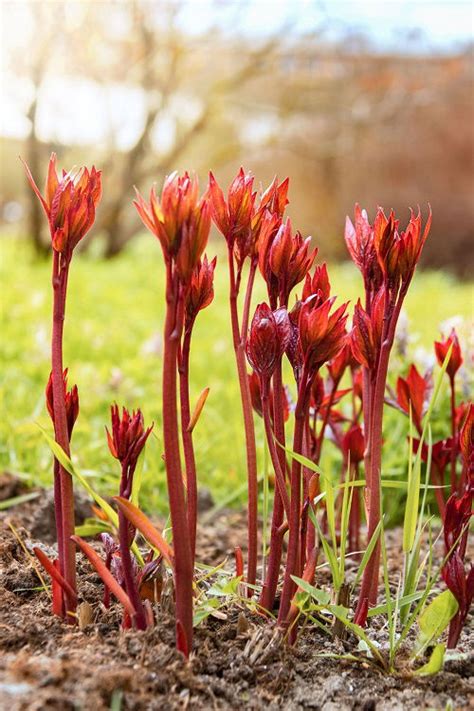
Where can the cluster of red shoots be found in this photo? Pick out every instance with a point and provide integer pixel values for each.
(454, 501)
(312, 333)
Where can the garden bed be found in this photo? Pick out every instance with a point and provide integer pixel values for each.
(237, 662)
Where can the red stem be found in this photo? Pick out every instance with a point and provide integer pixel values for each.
(239, 562)
(58, 516)
(453, 434)
(438, 481)
(106, 598)
(369, 587)
(52, 570)
(183, 570)
(354, 515)
(267, 598)
(279, 473)
(455, 628)
(187, 438)
(309, 526)
(308, 576)
(308, 532)
(65, 509)
(320, 439)
(292, 561)
(248, 301)
(127, 565)
(239, 348)
(311, 532)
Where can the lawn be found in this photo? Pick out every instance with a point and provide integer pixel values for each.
(113, 350)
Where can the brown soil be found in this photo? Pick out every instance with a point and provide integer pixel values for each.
(237, 662)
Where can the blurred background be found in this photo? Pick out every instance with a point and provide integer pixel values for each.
(356, 101)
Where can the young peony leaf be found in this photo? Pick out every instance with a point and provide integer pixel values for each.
(435, 663)
(146, 528)
(105, 574)
(435, 618)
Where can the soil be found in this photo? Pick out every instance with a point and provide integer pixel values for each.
(237, 663)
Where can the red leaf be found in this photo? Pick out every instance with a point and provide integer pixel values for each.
(105, 574)
(145, 526)
(54, 573)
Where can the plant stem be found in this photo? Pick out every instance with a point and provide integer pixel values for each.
(127, 564)
(454, 632)
(369, 587)
(279, 473)
(310, 537)
(453, 434)
(320, 439)
(187, 438)
(251, 451)
(65, 509)
(248, 301)
(265, 541)
(438, 480)
(309, 527)
(129, 578)
(354, 515)
(292, 560)
(267, 598)
(183, 571)
(59, 523)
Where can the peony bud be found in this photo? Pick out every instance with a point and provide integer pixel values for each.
(71, 401)
(456, 359)
(127, 439)
(69, 203)
(414, 391)
(353, 444)
(268, 338)
(201, 289)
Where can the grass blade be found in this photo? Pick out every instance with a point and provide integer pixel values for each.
(17, 500)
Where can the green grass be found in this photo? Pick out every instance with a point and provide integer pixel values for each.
(112, 347)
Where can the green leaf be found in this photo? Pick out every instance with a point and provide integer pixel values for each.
(17, 500)
(301, 599)
(332, 560)
(116, 700)
(225, 587)
(65, 461)
(388, 484)
(402, 601)
(208, 607)
(92, 527)
(435, 663)
(301, 459)
(368, 553)
(330, 510)
(321, 596)
(392, 605)
(435, 618)
(331, 556)
(137, 479)
(413, 492)
(413, 569)
(345, 515)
